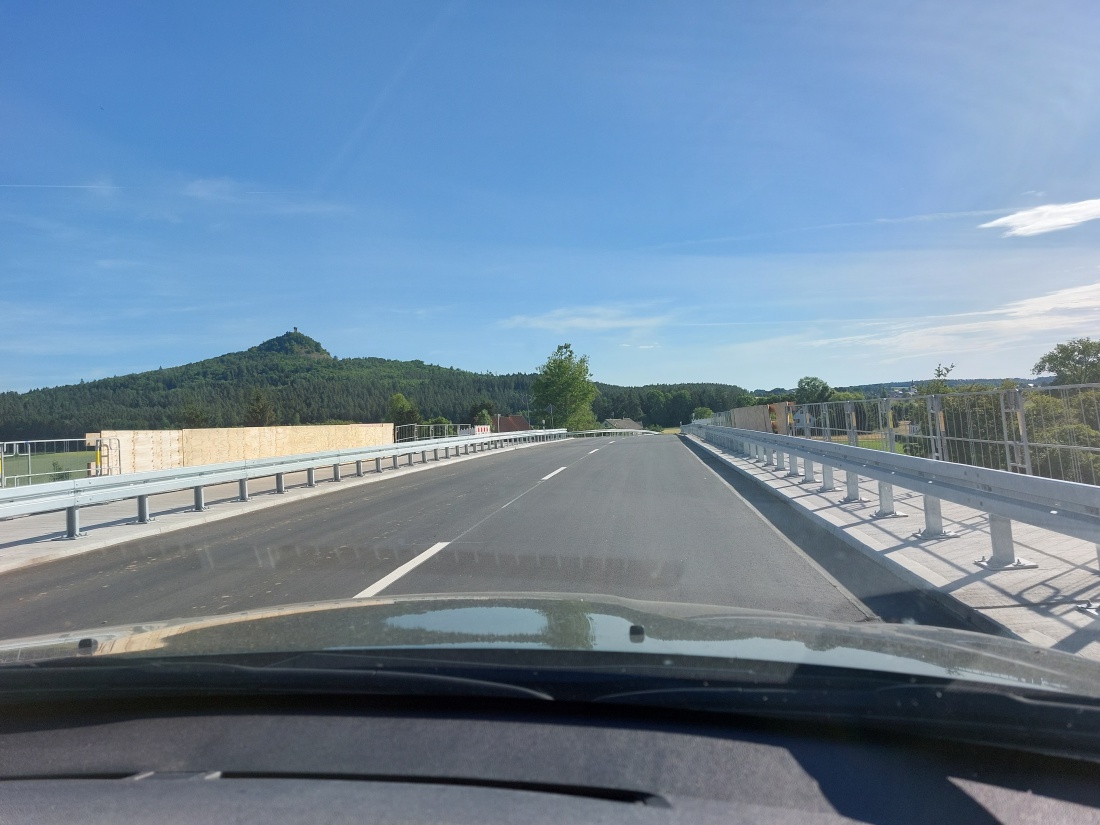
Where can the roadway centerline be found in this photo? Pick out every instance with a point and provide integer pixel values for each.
(547, 478)
(594, 451)
(407, 567)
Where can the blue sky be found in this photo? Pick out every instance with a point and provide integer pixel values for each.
(686, 191)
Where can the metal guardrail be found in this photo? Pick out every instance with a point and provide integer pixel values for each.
(1065, 507)
(70, 496)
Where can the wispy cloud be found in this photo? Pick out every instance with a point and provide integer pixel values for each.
(233, 193)
(587, 319)
(1061, 314)
(58, 186)
(925, 218)
(1048, 218)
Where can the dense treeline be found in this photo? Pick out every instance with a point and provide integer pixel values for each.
(664, 404)
(304, 384)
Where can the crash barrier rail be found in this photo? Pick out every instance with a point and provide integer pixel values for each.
(71, 496)
(1066, 507)
(1051, 431)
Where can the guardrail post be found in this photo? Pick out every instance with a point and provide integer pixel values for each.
(143, 510)
(807, 472)
(378, 465)
(827, 483)
(1003, 556)
(793, 472)
(780, 460)
(395, 461)
(933, 520)
(409, 459)
(280, 483)
(242, 487)
(1004, 548)
(336, 472)
(446, 452)
(851, 482)
(886, 502)
(769, 457)
(200, 499)
(72, 523)
(436, 456)
(311, 477)
(423, 456)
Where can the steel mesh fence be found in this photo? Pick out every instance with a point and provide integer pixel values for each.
(1046, 431)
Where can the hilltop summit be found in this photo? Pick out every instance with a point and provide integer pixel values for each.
(294, 343)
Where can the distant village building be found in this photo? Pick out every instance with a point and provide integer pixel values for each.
(511, 424)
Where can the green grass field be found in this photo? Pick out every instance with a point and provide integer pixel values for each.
(46, 467)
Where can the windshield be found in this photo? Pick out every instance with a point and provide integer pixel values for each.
(747, 332)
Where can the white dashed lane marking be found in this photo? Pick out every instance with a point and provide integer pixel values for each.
(407, 567)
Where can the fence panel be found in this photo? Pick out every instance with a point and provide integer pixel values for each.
(44, 460)
(1046, 431)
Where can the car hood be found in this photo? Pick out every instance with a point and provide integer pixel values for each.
(575, 622)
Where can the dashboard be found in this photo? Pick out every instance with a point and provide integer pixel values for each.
(341, 759)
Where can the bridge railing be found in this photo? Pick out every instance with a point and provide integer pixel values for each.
(72, 495)
(1051, 431)
(1066, 507)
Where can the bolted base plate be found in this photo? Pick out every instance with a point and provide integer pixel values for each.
(1019, 564)
(924, 534)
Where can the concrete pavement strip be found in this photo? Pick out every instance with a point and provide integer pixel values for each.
(1037, 605)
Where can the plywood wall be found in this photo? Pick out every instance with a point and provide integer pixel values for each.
(135, 451)
(753, 418)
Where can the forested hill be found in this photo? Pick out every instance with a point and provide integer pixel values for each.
(306, 385)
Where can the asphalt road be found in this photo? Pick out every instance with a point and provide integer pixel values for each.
(637, 517)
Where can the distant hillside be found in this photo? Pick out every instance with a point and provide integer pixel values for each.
(306, 385)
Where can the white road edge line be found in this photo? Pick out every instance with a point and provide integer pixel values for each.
(547, 478)
(594, 451)
(408, 566)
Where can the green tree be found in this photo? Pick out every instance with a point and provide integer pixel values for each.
(196, 416)
(260, 412)
(401, 410)
(488, 406)
(702, 412)
(564, 383)
(1075, 362)
(938, 385)
(845, 395)
(811, 390)
(483, 418)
